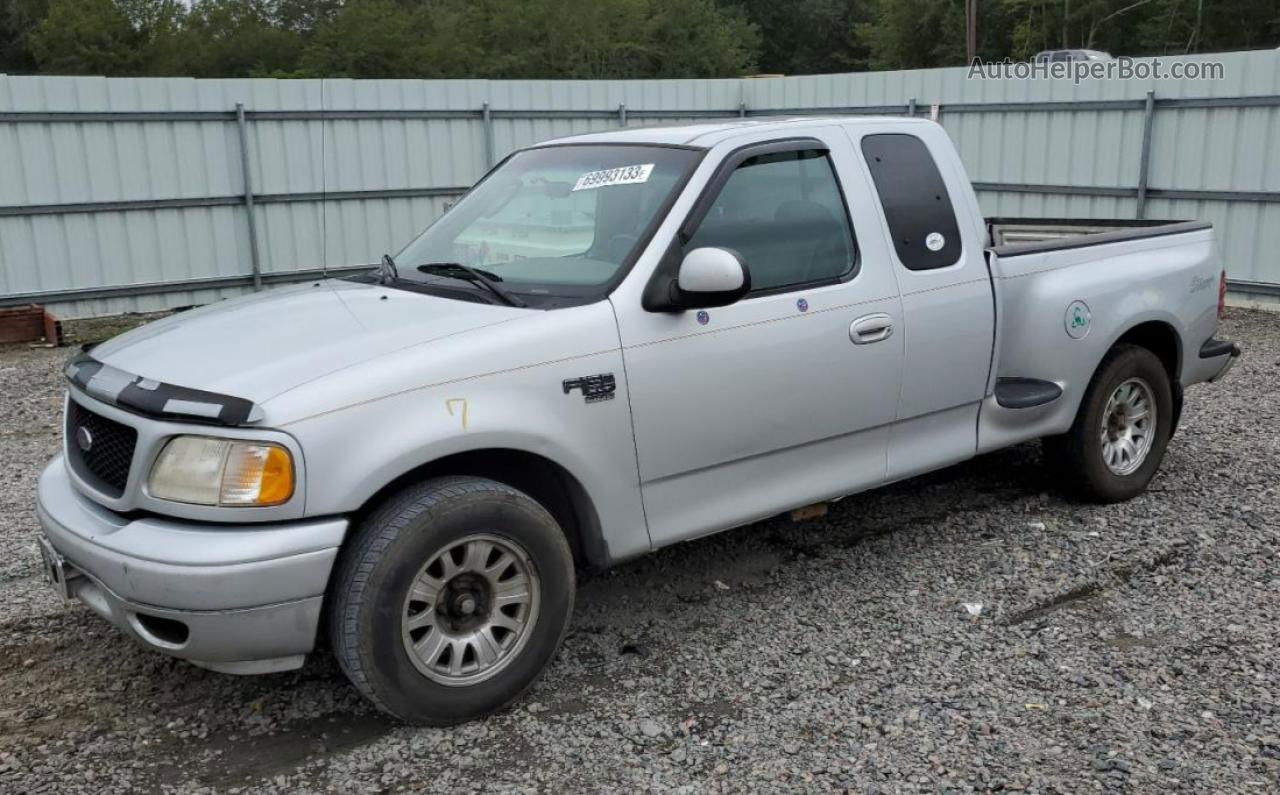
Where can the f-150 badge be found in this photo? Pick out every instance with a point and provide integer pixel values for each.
(594, 388)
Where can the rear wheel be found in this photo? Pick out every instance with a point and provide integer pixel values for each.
(1121, 431)
(451, 600)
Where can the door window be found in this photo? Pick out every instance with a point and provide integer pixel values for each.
(784, 214)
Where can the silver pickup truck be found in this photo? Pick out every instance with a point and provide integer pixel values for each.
(612, 343)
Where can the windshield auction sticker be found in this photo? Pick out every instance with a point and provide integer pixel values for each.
(622, 175)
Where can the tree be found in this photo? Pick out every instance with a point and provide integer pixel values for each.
(1180, 26)
(914, 34)
(302, 16)
(615, 38)
(232, 38)
(88, 37)
(695, 38)
(17, 20)
(593, 38)
(377, 38)
(108, 37)
(532, 39)
(809, 36)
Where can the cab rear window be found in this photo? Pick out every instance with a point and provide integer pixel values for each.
(915, 201)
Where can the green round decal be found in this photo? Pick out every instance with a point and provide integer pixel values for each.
(1078, 320)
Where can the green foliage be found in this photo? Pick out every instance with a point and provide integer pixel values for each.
(907, 34)
(531, 38)
(230, 38)
(383, 38)
(88, 37)
(592, 38)
(914, 34)
(810, 36)
(17, 19)
(1190, 26)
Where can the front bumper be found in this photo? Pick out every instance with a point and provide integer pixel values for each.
(233, 598)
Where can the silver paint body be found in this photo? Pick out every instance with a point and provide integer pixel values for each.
(763, 408)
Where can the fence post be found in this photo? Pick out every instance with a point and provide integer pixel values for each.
(1144, 162)
(488, 135)
(248, 195)
(742, 110)
(622, 115)
(911, 107)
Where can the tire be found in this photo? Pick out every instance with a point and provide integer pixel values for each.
(1099, 471)
(400, 626)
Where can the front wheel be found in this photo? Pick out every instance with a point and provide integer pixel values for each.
(451, 600)
(1121, 431)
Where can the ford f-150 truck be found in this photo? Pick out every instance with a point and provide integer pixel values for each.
(612, 343)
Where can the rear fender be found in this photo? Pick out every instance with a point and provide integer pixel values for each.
(1116, 288)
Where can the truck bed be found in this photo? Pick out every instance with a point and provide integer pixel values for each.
(1010, 236)
(1068, 289)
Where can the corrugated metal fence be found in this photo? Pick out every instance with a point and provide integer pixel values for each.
(139, 194)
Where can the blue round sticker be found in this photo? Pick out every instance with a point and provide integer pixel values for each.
(704, 318)
(802, 305)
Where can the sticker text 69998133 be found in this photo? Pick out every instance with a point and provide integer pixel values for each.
(622, 175)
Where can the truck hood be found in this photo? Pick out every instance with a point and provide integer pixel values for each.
(259, 346)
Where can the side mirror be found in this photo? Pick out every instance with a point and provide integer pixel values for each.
(710, 277)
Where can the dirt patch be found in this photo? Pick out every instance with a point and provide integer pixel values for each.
(237, 760)
(1062, 601)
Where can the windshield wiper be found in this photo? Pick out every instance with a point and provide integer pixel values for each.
(457, 270)
(444, 267)
(387, 272)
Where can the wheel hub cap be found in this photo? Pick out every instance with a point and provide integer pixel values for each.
(1128, 426)
(470, 609)
(465, 605)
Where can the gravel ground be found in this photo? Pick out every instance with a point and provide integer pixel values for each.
(969, 630)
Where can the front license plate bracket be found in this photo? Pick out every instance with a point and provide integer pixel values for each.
(55, 568)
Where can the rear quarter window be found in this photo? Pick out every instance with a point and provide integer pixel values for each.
(916, 204)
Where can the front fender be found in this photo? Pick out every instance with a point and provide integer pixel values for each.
(354, 452)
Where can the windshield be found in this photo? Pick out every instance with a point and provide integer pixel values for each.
(552, 223)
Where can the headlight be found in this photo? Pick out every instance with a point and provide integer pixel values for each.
(207, 471)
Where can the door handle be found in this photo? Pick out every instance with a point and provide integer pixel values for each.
(872, 328)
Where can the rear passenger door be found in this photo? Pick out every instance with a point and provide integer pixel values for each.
(746, 410)
(931, 219)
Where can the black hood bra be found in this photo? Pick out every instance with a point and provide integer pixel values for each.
(156, 398)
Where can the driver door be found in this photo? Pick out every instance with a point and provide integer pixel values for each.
(785, 397)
